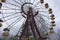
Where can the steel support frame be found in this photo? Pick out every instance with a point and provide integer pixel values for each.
(31, 21)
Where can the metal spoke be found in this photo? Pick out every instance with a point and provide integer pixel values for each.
(30, 1)
(44, 16)
(37, 3)
(12, 4)
(14, 29)
(41, 24)
(15, 22)
(39, 6)
(11, 15)
(21, 1)
(27, 0)
(12, 18)
(20, 29)
(40, 9)
(34, 1)
(9, 8)
(16, 2)
(42, 19)
(24, 1)
(41, 15)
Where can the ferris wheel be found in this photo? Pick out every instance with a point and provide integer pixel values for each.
(14, 14)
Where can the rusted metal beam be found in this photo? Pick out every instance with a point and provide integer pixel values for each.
(31, 21)
(37, 30)
(25, 27)
(34, 24)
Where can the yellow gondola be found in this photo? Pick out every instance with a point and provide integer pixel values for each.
(0, 24)
(51, 28)
(41, 1)
(5, 34)
(6, 29)
(3, 1)
(52, 15)
(15, 35)
(52, 21)
(46, 5)
(1, 20)
(50, 11)
(0, 5)
(45, 33)
(27, 39)
(51, 31)
(52, 24)
(52, 18)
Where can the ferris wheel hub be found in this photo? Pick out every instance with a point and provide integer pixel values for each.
(28, 7)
